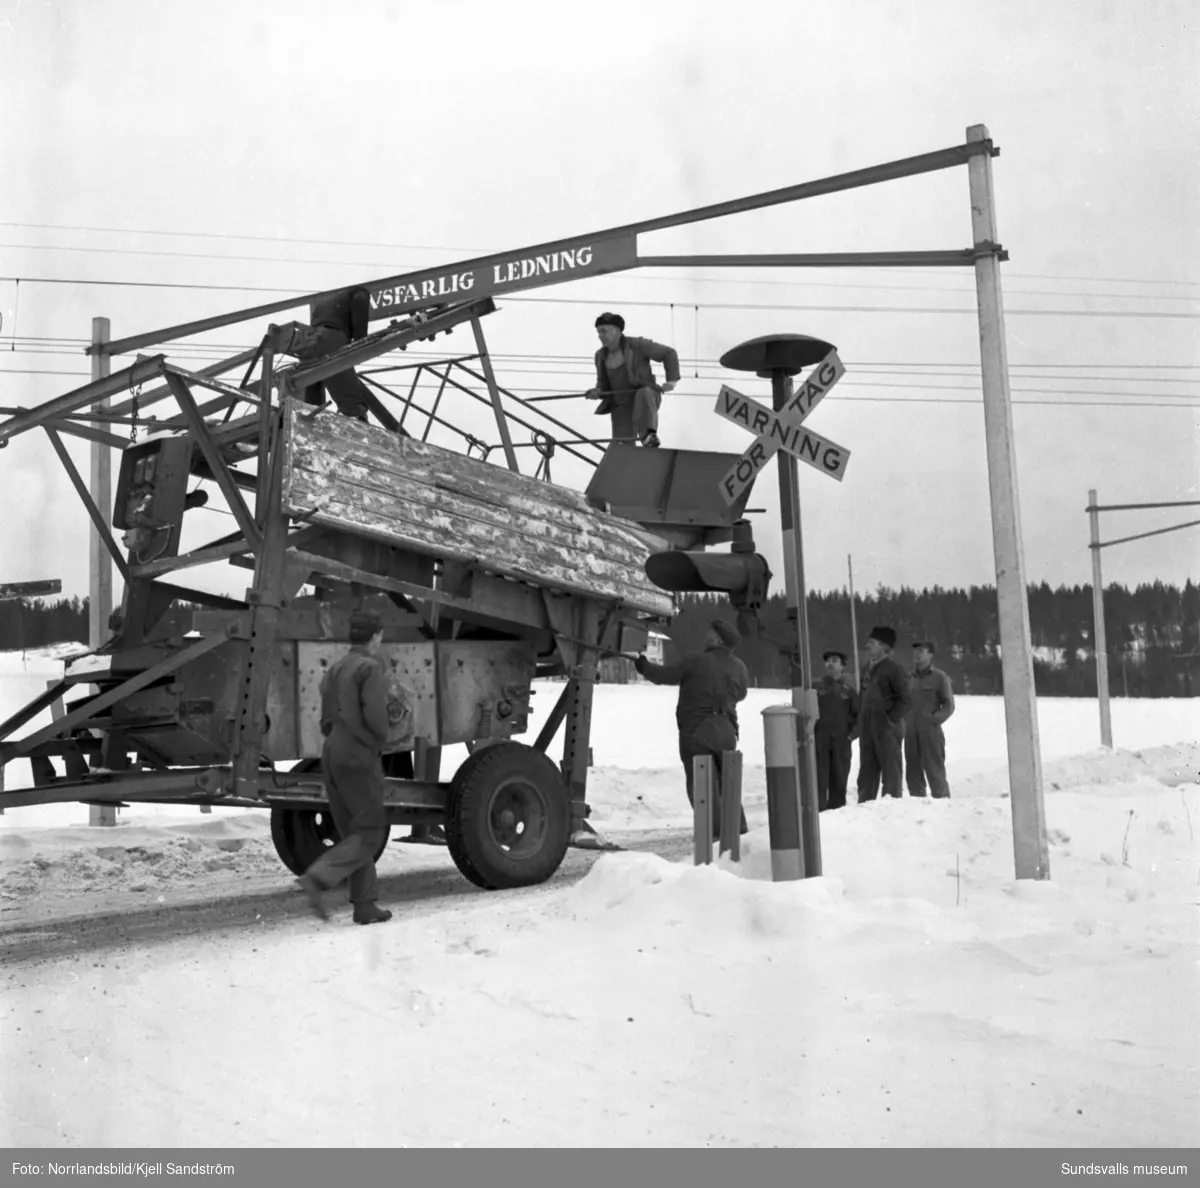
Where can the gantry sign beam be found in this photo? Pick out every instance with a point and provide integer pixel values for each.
(600, 253)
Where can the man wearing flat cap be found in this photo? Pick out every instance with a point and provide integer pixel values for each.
(625, 383)
(356, 723)
(711, 683)
(837, 724)
(885, 701)
(924, 739)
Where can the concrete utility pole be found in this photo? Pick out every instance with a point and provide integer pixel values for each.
(100, 583)
(1030, 847)
(1099, 636)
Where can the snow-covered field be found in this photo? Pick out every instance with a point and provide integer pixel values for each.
(916, 995)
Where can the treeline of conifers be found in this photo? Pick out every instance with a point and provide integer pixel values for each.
(1153, 634)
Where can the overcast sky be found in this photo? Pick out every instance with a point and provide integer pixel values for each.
(246, 151)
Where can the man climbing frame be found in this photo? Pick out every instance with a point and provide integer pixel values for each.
(625, 383)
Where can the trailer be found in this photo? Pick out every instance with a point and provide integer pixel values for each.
(486, 579)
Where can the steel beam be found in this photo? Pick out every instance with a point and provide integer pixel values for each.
(293, 381)
(936, 259)
(81, 489)
(216, 463)
(510, 455)
(95, 704)
(79, 398)
(890, 171)
(202, 556)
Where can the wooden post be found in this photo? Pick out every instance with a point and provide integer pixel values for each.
(1099, 635)
(1030, 848)
(853, 623)
(702, 797)
(731, 804)
(100, 583)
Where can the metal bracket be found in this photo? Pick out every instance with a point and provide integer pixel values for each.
(975, 148)
(261, 598)
(987, 248)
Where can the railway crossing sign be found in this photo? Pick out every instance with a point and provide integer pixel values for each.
(783, 430)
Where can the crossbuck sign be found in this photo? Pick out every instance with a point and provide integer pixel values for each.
(783, 430)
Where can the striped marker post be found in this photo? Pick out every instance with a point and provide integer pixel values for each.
(810, 814)
(783, 792)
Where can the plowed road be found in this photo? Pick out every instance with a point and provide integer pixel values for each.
(45, 929)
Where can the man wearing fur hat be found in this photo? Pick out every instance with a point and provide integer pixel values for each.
(625, 383)
(356, 725)
(886, 700)
(837, 724)
(711, 683)
(924, 740)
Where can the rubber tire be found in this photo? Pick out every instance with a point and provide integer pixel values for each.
(301, 836)
(476, 852)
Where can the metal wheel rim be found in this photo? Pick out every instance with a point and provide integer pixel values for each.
(518, 817)
(322, 828)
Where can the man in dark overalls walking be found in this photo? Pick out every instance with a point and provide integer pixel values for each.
(355, 722)
(711, 683)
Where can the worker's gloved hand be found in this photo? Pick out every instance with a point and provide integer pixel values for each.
(669, 386)
(640, 664)
(591, 394)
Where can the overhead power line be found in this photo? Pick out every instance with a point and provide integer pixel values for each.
(642, 303)
(862, 375)
(78, 341)
(226, 235)
(391, 266)
(1128, 404)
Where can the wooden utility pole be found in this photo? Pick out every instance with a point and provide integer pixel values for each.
(1099, 635)
(100, 583)
(1030, 847)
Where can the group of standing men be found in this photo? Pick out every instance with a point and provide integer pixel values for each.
(897, 717)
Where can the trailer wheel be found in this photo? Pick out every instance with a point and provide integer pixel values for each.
(301, 836)
(508, 821)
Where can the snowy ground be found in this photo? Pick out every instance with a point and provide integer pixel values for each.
(915, 996)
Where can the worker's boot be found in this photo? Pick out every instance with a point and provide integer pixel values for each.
(370, 913)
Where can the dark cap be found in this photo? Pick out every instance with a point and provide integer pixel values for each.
(927, 644)
(726, 632)
(833, 652)
(365, 625)
(611, 319)
(885, 635)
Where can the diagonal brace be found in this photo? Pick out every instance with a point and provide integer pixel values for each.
(35, 707)
(215, 462)
(82, 491)
(94, 705)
